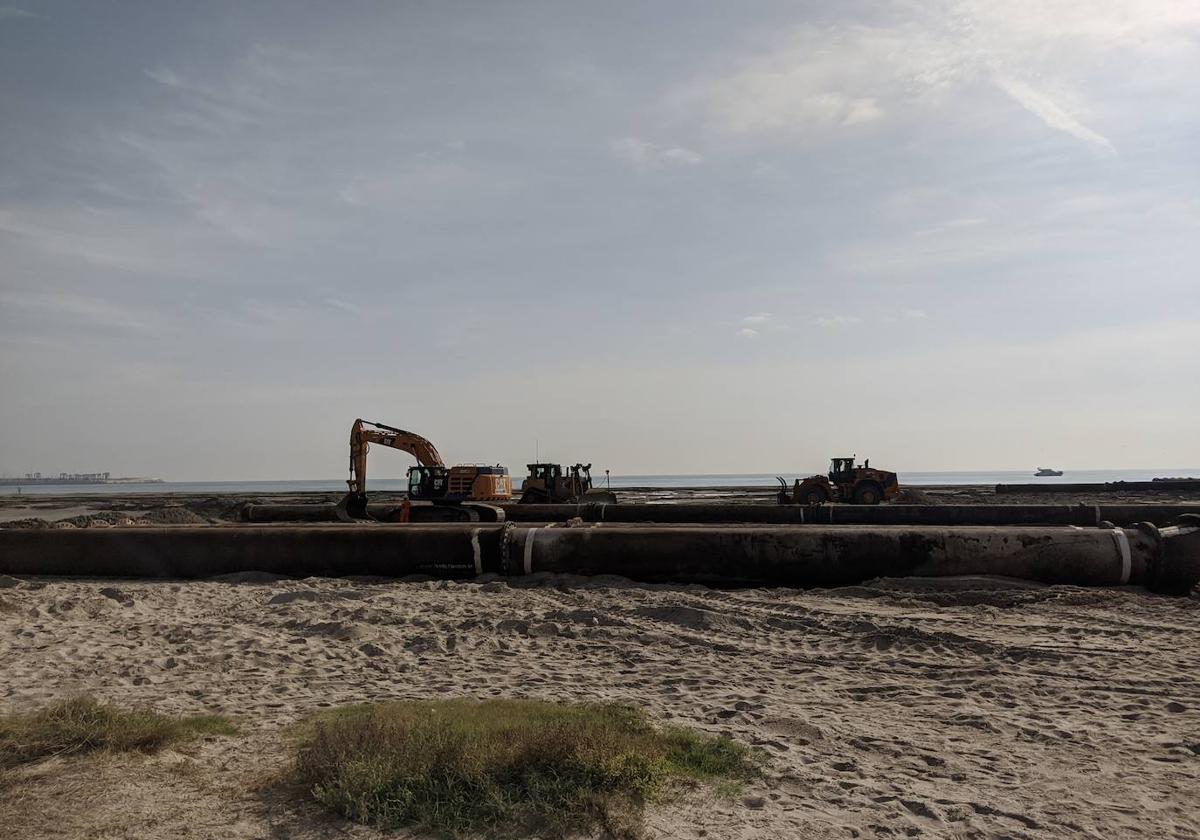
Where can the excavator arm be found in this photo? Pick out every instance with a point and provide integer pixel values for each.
(364, 432)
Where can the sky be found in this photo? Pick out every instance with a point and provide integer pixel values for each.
(660, 237)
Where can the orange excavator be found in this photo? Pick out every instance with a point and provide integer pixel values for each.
(429, 480)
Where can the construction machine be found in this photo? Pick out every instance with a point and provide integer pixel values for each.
(555, 484)
(429, 480)
(859, 485)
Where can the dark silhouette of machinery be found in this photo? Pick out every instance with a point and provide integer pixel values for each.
(859, 485)
(555, 484)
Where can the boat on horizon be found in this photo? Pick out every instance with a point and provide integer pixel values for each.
(1045, 471)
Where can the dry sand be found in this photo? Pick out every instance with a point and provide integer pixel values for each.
(969, 709)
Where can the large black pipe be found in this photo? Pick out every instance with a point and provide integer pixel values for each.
(823, 555)
(1083, 515)
(205, 551)
(1172, 485)
(418, 512)
(722, 555)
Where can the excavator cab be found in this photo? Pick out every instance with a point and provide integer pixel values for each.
(427, 482)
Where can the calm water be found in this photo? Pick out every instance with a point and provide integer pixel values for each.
(725, 480)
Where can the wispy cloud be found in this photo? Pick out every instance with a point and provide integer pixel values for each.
(69, 310)
(838, 320)
(344, 305)
(815, 82)
(1045, 109)
(951, 225)
(642, 154)
(748, 332)
(11, 12)
(757, 318)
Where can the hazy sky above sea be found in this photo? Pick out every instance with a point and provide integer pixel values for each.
(662, 237)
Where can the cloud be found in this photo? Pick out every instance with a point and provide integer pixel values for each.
(81, 310)
(1051, 114)
(838, 320)
(913, 314)
(420, 181)
(642, 154)
(110, 239)
(12, 12)
(344, 305)
(747, 332)
(951, 225)
(757, 318)
(813, 82)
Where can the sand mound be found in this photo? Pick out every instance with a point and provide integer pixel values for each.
(31, 523)
(692, 618)
(912, 496)
(173, 516)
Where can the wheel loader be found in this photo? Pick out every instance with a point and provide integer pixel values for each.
(858, 485)
(555, 484)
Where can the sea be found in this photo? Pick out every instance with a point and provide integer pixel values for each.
(331, 485)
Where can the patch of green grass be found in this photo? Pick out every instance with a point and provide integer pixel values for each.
(83, 724)
(504, 767)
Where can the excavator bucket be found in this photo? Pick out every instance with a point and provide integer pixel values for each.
(353, 506)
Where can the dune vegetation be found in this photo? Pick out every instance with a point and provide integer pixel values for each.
(83, 724)
(504, 767)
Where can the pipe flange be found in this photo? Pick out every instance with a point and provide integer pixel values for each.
(505, 550)
(1177, 565)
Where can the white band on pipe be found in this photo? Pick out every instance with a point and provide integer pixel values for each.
(475, 550)
(529, 535)
(1122, 542)
(801, 516)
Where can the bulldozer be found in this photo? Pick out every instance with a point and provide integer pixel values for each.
(555, 484)
(429, 480)
(859, 485)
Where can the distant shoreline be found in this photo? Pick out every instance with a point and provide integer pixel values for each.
(64, 482)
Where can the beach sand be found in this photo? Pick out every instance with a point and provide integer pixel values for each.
(959, 708)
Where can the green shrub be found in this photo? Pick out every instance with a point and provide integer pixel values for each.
(82, 724)
(503, 767)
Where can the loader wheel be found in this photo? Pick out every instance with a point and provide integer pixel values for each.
(814, 496)
(867, 494)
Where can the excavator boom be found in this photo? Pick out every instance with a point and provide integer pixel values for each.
(365, 432)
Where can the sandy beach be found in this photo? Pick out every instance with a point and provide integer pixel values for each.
(965, 708)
